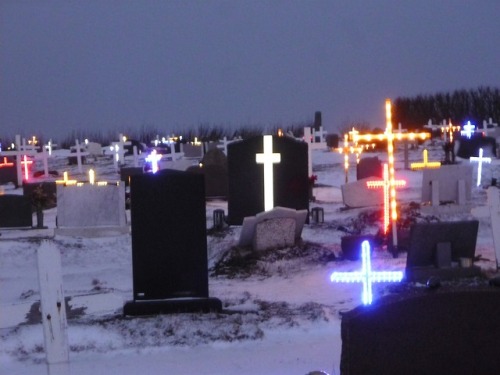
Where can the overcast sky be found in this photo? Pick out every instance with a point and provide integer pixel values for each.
(103, 64)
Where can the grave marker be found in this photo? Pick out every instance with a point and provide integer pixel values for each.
(366, 276)
(246, 177)
(425, 163)
(169, 244)
(268, 158)
(468, 129)
(479, 159)
(15, 211)
(53, 308)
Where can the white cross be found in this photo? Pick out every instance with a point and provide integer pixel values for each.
(319, 133)
(468, 129)
(479, 159)
(154, 158)
(268, 158)
(366, 275)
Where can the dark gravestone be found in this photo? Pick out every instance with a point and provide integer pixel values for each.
(317, 120)
(369, 167)
(332, 140)
(15, 211)
(214, 168)
(127, 172)
(49, 190)
(246, 177)
(8, 173)
(470, 147)
(169, 245)
(449, 330)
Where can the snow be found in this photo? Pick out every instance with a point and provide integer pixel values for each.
(283, 317)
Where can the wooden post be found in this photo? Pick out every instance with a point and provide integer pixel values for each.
(53, 309)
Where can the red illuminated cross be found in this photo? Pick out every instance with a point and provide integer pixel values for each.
(25, 162)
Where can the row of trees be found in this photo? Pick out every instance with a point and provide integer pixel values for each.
(459, 106)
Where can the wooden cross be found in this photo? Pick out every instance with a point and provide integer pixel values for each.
(390, 137)
(366, 276)
(268, 158)
(426, 163)
(479, 159)
(387, 186)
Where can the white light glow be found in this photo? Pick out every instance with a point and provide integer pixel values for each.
(268, 158)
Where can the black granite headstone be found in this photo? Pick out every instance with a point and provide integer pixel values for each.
(448, 330)
(369, 167)
(214, 168)
(127, 172)
(332, 140)
(470, 146)
(15, 211)
(169, 245)
(246, 177)
(8, 173)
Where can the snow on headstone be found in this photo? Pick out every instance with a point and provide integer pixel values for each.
(53, 307)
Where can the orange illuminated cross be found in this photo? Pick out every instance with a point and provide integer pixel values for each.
(426, 163)
(387, 186)
(6, 163)
(390, 137)
(346, 150)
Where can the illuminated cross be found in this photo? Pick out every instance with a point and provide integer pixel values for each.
(6, 163)
(154, 158)
(268, 158)
(479, 159)
(366, 276)
(386, 185)
(66, 180)
(468, 129)
(426, 163)
(25, 162)
(346, 150)
(390, 137)
(448, 131)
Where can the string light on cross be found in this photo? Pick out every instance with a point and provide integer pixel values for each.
(390, 209)
(66, 181)
(347, 150)
(5, 163)
(366, 276)
(25, 162)
(268, 158)
(449, 130)
(480, 160)
(390, 137)
(154, 158)
(468, 129)
(426, 164)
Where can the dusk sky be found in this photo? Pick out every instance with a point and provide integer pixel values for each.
(103, 64)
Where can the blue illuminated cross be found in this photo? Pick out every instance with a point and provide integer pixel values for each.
(468, 129)
(366, 275)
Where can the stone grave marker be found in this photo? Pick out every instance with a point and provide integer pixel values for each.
(15, 211)
(274, 233)
(127, 172)
(248, 230)
(449, 330)
(369, 167)
(169, 244)
(91, 210)
(357, 194)
(246, 177)
(193, 151)
(8, 171)
(447, 189)
(468, 147)
(213, 167)
(332, 141)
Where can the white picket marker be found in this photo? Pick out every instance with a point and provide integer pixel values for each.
(53, 309)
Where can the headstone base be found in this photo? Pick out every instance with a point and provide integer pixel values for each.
(422, 274)
(89, 232)
(171, 306)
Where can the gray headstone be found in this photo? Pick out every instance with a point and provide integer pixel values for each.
(369, 167)
(274, 233)
(357, 194)
(447, 177)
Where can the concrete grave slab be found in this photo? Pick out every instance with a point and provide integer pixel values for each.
(249, 223)
(357, 194)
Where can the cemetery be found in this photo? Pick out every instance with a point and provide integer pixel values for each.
(220, 247)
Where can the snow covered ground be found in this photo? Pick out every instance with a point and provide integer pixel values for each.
(281, 313)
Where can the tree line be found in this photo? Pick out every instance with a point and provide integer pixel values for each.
(459, 106)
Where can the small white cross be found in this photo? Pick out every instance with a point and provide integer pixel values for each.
(268, 158)
(154, 158)
(479, 159)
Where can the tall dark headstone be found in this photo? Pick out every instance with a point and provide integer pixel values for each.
(15, 211)
(246, 177)
(369, 167)
(317, 120)
(48, 189)
(470, 146)
(332, 140)
(169, 245)
(8, 171)
(214, 168)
